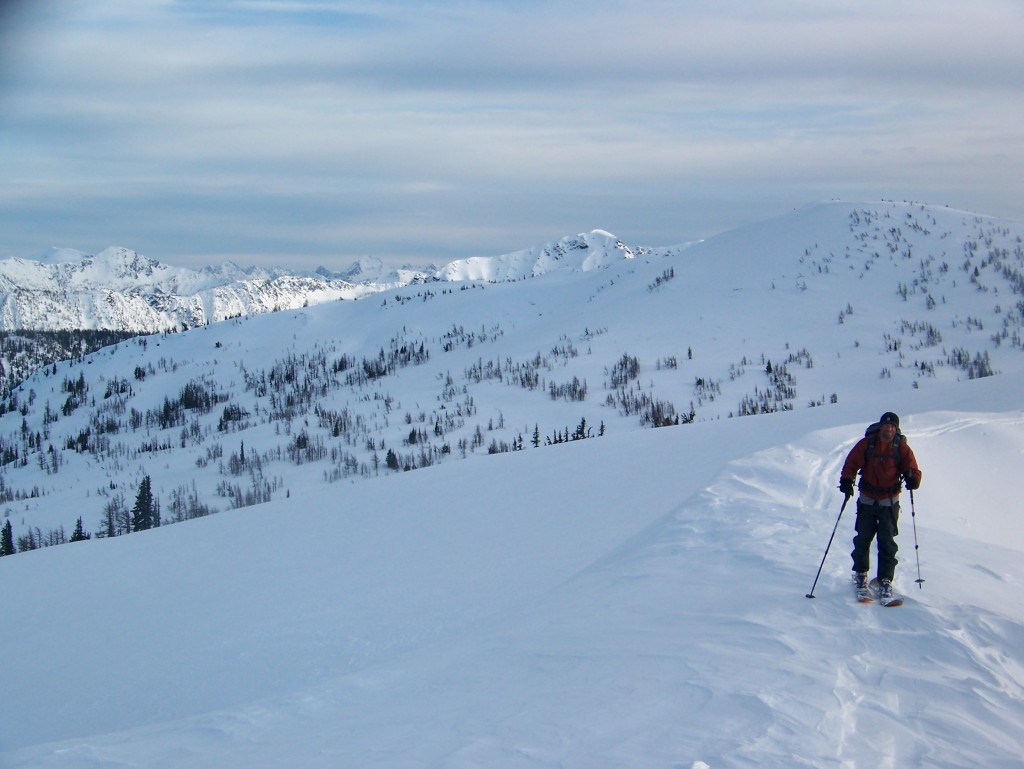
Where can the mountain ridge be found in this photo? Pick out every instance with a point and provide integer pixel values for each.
(120, 289)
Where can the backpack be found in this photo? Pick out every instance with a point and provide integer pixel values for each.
(872, 435)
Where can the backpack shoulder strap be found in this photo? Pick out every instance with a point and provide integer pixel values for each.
(871, 433)
(897, 449)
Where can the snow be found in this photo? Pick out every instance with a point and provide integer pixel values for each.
(121, 289)
(584, 252)
(57, 255)
(635, 600)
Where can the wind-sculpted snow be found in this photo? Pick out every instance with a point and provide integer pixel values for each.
(648, 610)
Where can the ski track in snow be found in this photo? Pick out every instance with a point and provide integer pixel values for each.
(873, 695)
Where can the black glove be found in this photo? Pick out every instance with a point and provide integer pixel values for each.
(912, 481)
(846, 486)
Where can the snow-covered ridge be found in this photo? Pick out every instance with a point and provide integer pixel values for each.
(580, 253)
(124, 290)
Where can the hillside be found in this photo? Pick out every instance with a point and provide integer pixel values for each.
(614, 595)
(814, 309)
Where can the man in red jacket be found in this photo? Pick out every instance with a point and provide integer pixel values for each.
(885, 462)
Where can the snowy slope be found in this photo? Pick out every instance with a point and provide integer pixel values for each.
(632, 600)
(837, 300)
(628, 614)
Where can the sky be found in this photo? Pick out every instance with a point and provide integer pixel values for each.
(312, 133)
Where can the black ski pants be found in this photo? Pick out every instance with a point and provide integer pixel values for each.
(881, 521)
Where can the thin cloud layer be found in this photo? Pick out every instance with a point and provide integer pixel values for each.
(308, 133)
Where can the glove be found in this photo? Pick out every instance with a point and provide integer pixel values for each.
(846, 486)
(912, 481)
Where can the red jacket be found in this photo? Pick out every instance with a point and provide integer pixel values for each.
(880, 475)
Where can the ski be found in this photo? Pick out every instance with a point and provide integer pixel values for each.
(876, 590)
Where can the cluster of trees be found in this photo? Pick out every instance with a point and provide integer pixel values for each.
(624, 371)
(118, 519)
(582, 432)
(778, 396)
(662, 279)
(976, 367)
(651, 411)
(459, 336)
(399, 355)
(24, 352)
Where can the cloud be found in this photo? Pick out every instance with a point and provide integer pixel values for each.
(274, 128)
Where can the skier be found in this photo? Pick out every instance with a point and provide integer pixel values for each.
(883, 459)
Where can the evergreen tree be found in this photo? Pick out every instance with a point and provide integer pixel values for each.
(80, 534)
(142, 512)
(7, 540)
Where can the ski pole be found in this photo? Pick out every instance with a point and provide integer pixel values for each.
(829, 545)
(917, 554)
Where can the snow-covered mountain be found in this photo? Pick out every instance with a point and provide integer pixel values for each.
(581, 253)
(437, 529)
(120, 289)
(370, 270)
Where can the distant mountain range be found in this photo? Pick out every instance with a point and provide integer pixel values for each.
(121, 290)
